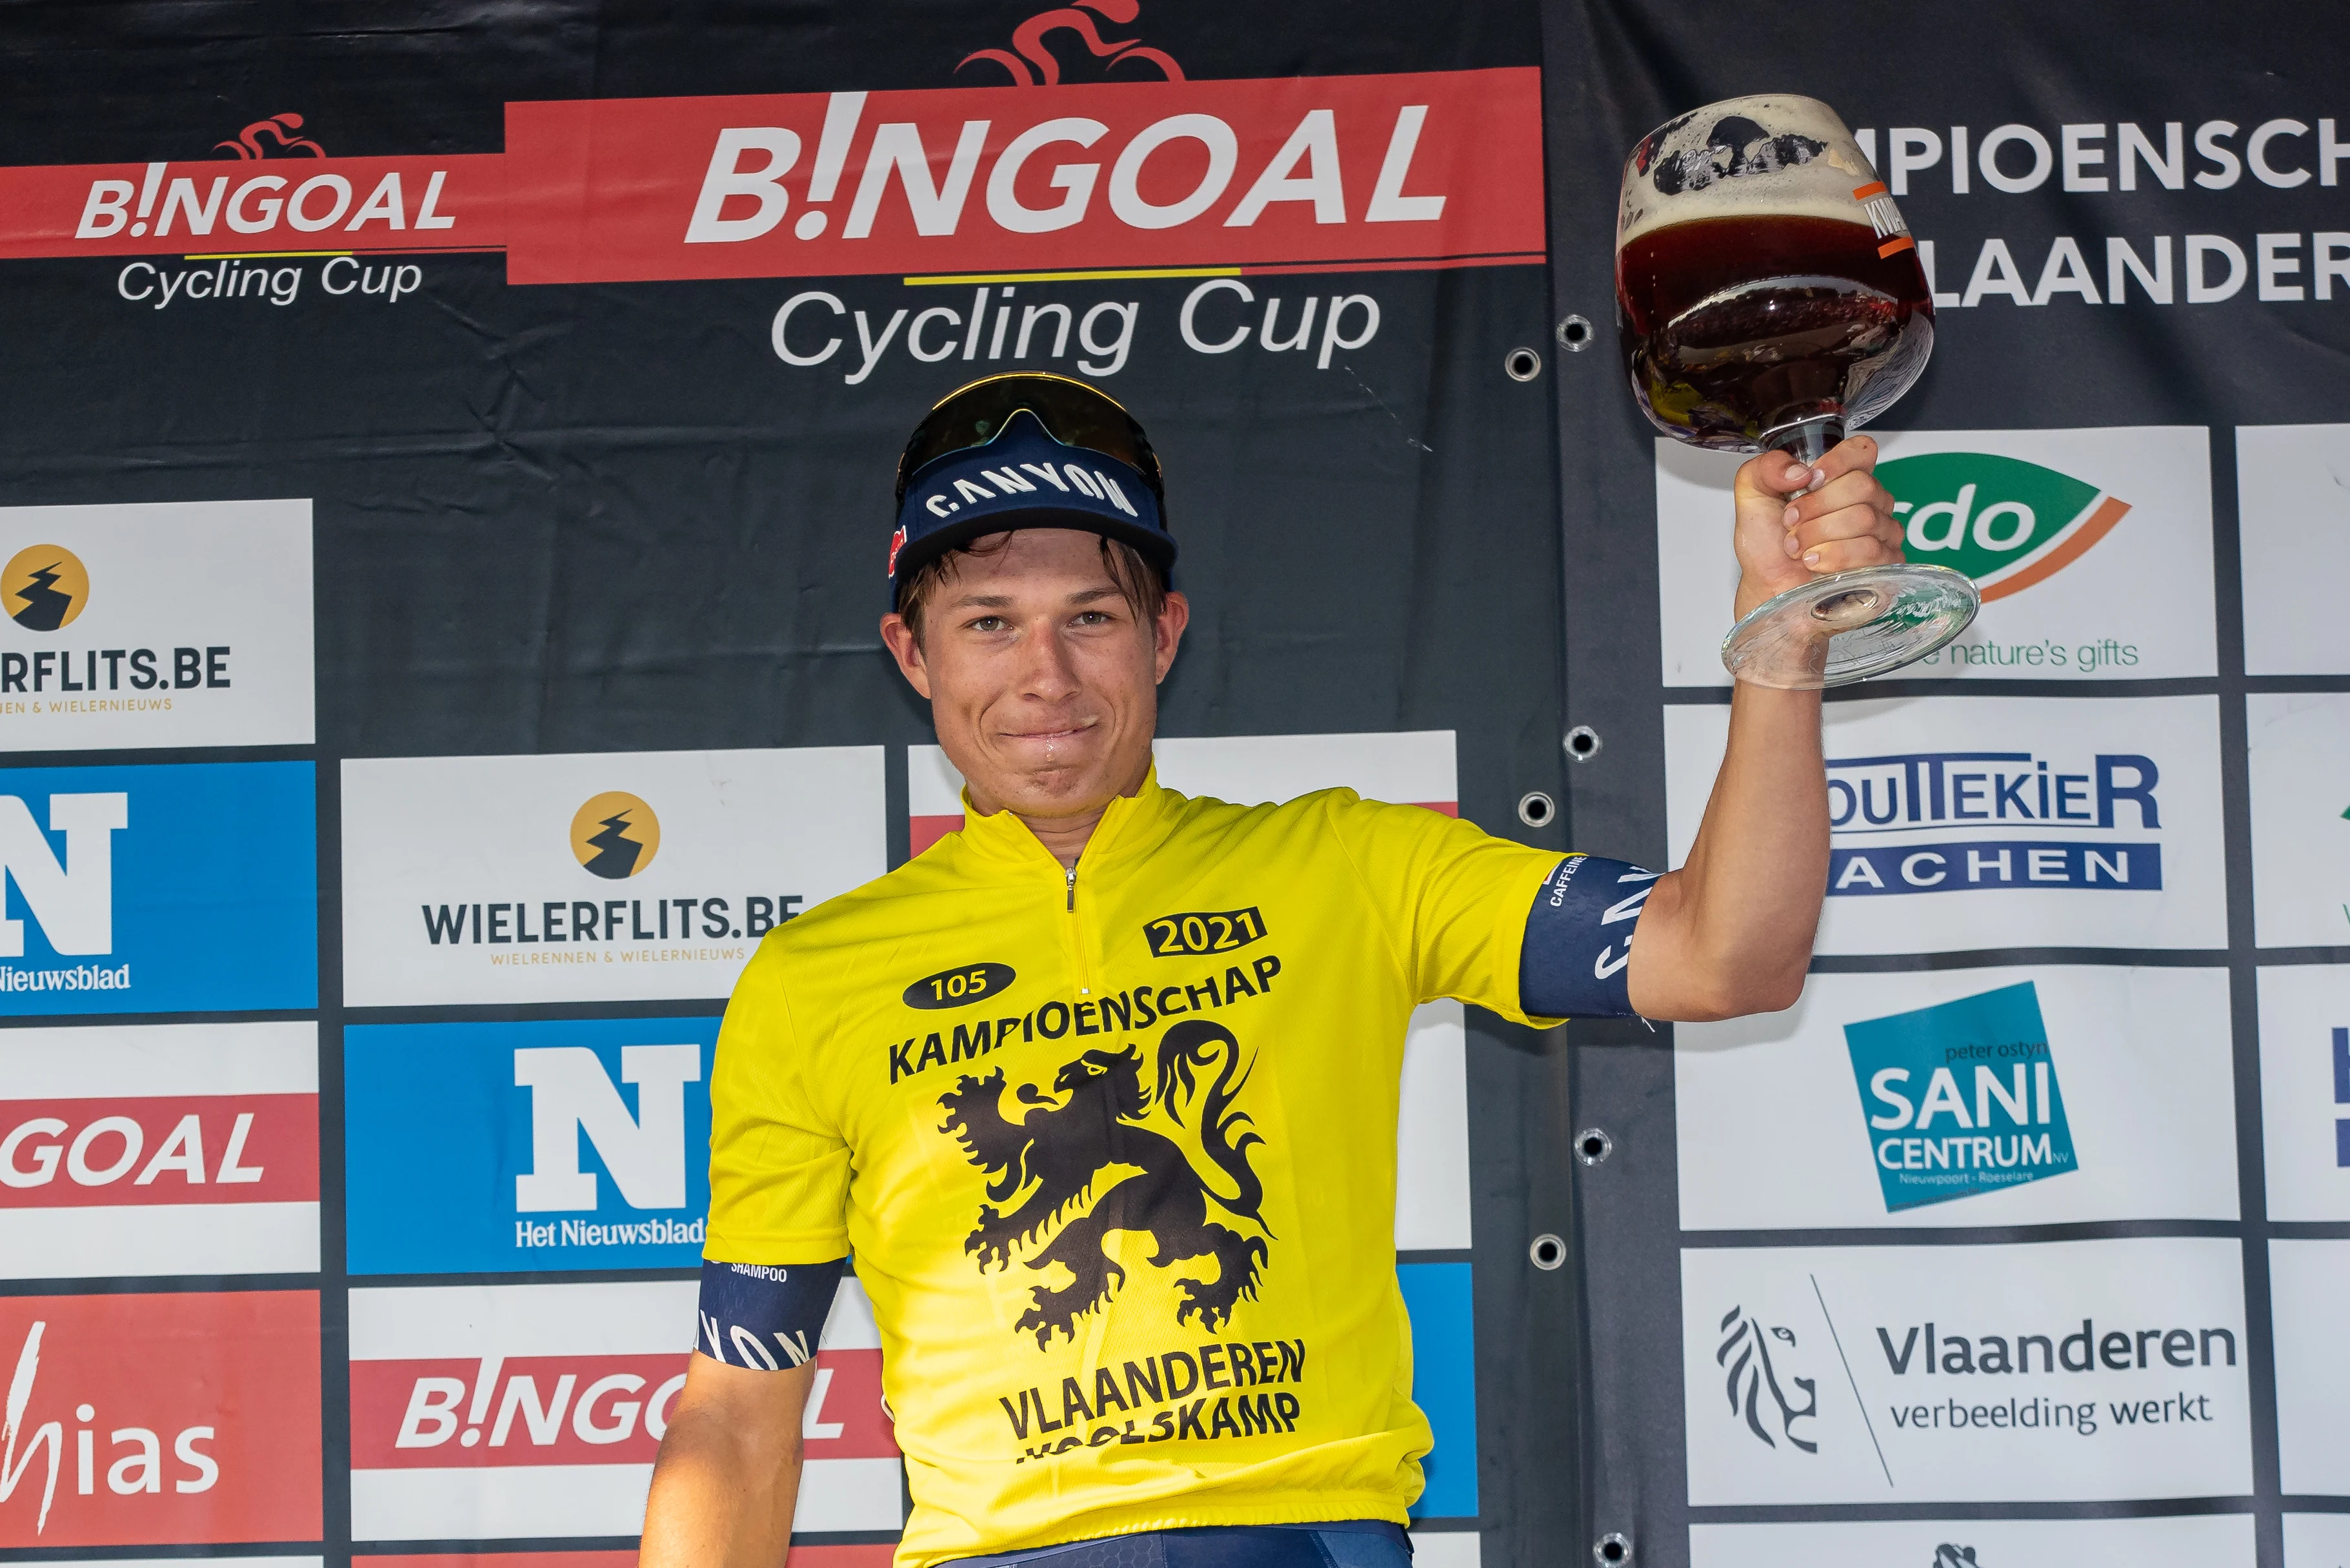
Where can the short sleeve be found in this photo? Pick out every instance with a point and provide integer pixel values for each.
(1455, 896)
(778, 1170)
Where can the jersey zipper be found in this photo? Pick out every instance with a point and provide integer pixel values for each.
(1073, 890)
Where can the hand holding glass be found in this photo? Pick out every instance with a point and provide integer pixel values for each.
(1769, 297)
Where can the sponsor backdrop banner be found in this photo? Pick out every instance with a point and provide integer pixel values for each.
(444, 528)
(2020, 1239)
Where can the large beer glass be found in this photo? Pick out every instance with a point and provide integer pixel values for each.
(1770, 298)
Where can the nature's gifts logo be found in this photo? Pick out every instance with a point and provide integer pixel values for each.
(2005, 523)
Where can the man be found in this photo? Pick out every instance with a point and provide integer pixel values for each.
(1102, 1090)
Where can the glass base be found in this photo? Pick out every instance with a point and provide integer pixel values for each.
(1875, 619)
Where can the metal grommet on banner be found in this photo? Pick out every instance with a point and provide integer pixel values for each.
(1535, 809)
(1522, 365)
(1593, 1144)
(1581, 742)
(1547, 1251)
(1575, 334)
(1612, 1550)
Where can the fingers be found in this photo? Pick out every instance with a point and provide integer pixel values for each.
(1854, 454)
(1777, 474)
(1845, 538)
(1774, 473)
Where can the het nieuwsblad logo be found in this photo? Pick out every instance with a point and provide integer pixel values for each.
(44, 588)
(2007, 524)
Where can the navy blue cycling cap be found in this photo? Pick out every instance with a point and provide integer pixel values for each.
(1026, 451)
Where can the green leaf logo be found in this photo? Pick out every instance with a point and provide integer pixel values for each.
(2005, 523)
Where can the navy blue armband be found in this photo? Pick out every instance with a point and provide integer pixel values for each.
(1578, 950)
(766, 1318)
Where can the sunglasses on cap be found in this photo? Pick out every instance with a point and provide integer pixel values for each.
(1072, 412)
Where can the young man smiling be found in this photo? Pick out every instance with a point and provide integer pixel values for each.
(1102, 1090)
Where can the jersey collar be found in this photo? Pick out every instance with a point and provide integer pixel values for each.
(1131, 824)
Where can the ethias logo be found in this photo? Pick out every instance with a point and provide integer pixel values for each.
(1960, 1098)
(2005, 523)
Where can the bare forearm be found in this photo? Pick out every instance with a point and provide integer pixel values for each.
(1731, 930)
(719, 1501)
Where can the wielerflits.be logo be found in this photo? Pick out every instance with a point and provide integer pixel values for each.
(615, 836)
(45, 589)
(1960, 1098)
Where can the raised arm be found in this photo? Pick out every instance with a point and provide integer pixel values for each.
(1731, 931)
(729, 1472)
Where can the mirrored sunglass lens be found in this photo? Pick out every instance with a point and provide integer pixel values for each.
(972, 419)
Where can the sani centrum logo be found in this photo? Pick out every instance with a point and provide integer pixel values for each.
(614, 835)
(44, 588)
(2005, 523)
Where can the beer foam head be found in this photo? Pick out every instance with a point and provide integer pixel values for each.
(1771, 154)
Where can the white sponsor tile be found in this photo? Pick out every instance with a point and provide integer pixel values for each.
(424, 1322)
(227, 581)
(2293, 497)
(1446, 1549)
(116, 1061)
(2307, 1283)
(1412, 766)
(1805, 1373)
(451, 839)
(2316, 1539)
(158, 1240)
(432, 1322)
(2305, 1090)
(555, 1500)
(2299, 759)
(1432, 1134)
(2196, 1540)
(2065, 880)
(2136, 603)
(99, 1179)
(1775, 1128)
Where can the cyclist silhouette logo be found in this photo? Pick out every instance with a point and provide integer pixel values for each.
(277, 130)
(614, 835)
(44, 586)
(1031, 62)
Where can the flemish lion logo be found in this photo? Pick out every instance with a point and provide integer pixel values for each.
(1752, 1373)
(1056, 1153)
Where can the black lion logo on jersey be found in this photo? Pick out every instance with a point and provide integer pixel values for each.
(1057, 1153)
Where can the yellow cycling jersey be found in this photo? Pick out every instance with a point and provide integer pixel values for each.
(1115, 1151)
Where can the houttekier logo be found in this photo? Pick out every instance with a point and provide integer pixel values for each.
(2003, 807)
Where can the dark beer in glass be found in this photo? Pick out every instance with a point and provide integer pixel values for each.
(1769, 296)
